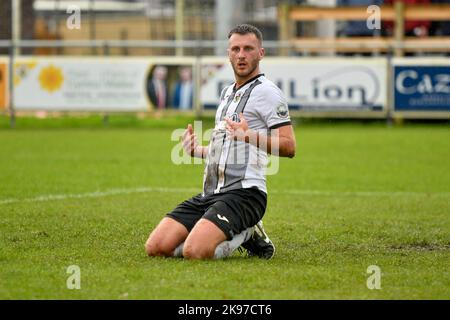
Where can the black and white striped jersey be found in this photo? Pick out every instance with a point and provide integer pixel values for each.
(236, 164)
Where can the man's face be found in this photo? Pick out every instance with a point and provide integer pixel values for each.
(244, 52)
(160, 73)
(185, 74)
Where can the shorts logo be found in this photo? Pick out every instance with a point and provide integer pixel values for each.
(223, 218)
(235, 117)
(282, 111)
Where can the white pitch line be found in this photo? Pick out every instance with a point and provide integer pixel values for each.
(97, 194)
(362, 193)
(112, 192)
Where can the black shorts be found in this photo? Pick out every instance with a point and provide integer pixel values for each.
(232, 211)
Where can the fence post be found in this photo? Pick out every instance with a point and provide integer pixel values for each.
(12, 112)
(106, 114)
(13, 50)
(179, 26)
(283, 27)
(92, 26)
(399, 31)
(197, 86)
(390, 83)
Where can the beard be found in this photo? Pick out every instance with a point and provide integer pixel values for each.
(245, 73)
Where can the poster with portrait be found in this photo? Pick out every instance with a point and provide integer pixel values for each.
(170, 85)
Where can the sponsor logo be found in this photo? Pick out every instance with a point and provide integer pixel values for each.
(223, 218)
(410, 82)
(345, 87)
(424, 88)
(51, 78)
(22, 70)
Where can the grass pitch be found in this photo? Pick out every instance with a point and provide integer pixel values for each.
(75, 193)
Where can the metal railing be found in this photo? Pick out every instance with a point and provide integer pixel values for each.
(305, 44)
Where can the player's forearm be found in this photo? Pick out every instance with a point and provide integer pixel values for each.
(280, 146)
(200, 152)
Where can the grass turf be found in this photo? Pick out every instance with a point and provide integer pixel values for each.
(355, 195)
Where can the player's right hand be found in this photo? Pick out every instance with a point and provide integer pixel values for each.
(190, 142)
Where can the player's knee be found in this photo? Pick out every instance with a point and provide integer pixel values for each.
(192, 251)
(154, 249)
(151, 248)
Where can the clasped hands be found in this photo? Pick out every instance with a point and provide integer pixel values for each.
(236, 130)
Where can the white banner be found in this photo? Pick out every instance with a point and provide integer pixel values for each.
(131, 84)
(321, 84)
(93, 84)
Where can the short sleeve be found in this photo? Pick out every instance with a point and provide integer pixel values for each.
(273, 107)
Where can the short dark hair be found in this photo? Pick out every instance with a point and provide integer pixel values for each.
(243, 29)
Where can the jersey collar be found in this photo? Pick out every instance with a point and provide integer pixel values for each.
(247, 82)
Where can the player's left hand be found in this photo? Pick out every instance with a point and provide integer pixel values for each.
(237, 130)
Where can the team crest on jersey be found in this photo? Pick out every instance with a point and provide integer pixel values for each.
(238, 96)
(282, 111)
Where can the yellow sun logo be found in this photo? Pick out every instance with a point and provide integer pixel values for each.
(51, 78)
